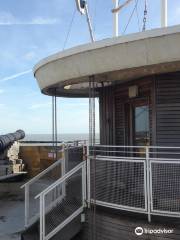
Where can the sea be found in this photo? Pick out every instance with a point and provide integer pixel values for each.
(61, 137)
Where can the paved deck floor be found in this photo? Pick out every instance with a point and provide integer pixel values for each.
(11, 211)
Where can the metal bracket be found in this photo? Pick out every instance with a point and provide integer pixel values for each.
(83, 218)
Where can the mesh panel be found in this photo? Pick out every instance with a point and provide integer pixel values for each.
(165, 186)
(74, 156)
(38, 186)
(118, 182)
(62, 208)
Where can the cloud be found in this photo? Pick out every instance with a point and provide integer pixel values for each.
(30, 55)
(15, 76)
(40, 105)
(6, 18)
(44, 21)
(1, 91)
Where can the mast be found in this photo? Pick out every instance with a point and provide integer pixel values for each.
(163, 13)
(115, 12)
(115, 20)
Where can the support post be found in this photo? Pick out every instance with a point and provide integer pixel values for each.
(84, 184)
(148, 184)
(42, 222)
(163, 13)
(26, 205)
(115, 20)
(88, 177)
(63, 168)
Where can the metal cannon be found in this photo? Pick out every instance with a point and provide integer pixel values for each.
(7, 140)
(11, 167)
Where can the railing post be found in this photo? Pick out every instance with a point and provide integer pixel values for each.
(42, 215)
(148, 184)
(26, 205)
(88, 177)
(84, 185)
(88, 181)
(63, 172)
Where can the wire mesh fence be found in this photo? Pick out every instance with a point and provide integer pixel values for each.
(119, 182)
(37, 185)
(64, 207)
(165, 186)
(136, 178)
(58, 211)
(73, 155)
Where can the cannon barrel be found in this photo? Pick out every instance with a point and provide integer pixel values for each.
(8, 139)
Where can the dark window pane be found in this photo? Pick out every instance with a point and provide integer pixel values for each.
(141, 125)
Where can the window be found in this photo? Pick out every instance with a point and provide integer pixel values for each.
(141, 125)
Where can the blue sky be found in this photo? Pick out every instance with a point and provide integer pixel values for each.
(31, 30)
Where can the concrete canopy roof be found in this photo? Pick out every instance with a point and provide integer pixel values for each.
(112, 60)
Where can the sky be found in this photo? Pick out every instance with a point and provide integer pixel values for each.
(32, 30)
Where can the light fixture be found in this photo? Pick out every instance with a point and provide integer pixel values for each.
(67, 87)
(133, 91)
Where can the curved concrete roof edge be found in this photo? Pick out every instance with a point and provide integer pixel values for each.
(107, 42)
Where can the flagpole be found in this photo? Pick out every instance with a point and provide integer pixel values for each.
(163, 13)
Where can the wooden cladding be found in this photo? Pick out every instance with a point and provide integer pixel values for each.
(106, 103)
(163, 95)
(114, 120)
(168, 110)
(118, 225)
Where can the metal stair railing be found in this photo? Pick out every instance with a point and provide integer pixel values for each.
(64, 210)
(37, 185)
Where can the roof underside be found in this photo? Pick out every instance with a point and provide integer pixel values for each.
(110, 61)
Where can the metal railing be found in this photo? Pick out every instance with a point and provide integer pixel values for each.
(37, 185)
(142, 179)
(64, 210)
(165, 187)
(120, 183)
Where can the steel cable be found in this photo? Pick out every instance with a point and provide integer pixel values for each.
(134, 9)
(69, 29)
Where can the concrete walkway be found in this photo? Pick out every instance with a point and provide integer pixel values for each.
(11, 211)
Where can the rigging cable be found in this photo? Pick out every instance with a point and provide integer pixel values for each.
(69, 29)
(137, 15)
(53, 138)
(145, 16)
(134, 9)
(54, 126)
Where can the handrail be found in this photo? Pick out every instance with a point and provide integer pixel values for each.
(102, 157)
(120, 146)
(42, 173)
(55, 184)
(119, 159)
